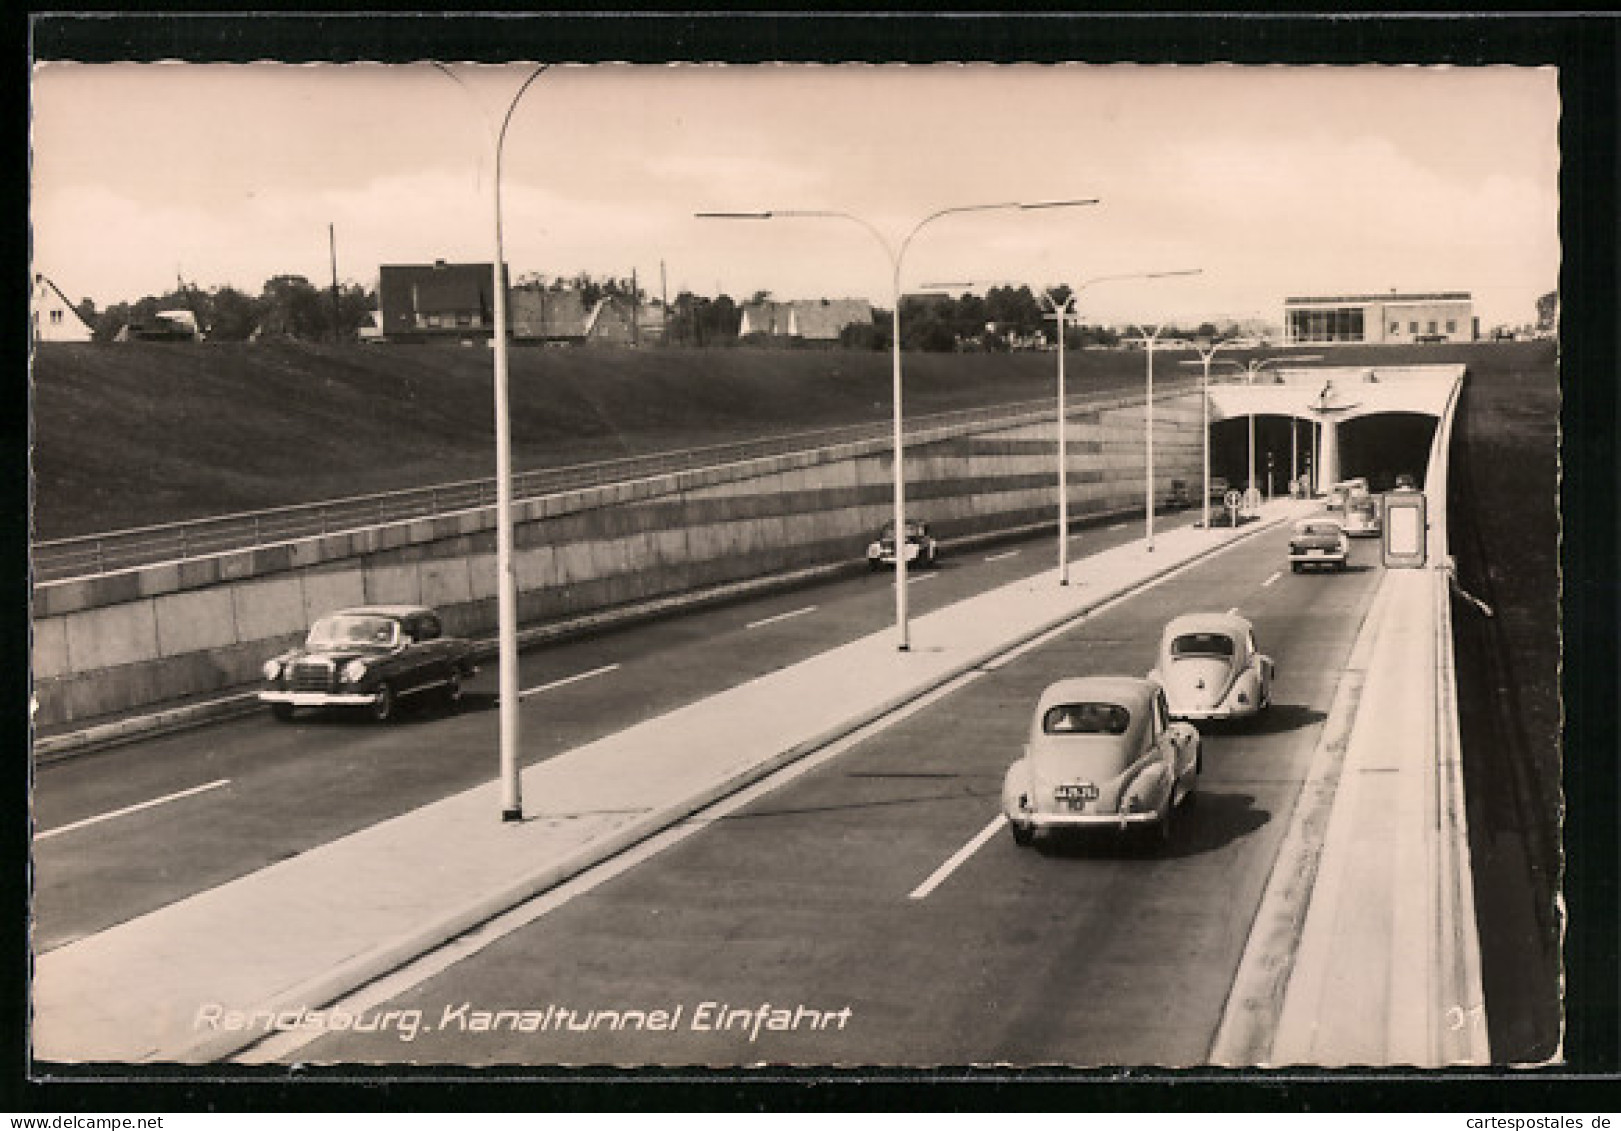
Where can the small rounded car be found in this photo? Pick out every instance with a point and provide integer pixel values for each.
(1210, 668)
(1103, 752)
(370, 657)
(1318, 542)
(921, 546)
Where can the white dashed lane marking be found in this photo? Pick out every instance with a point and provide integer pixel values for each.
(196, 789)
(567, 680)
(781, 616)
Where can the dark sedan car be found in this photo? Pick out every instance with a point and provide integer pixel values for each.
(370, 657)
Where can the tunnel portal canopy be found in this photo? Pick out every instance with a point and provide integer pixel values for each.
(1329, 396)
(1325, 393)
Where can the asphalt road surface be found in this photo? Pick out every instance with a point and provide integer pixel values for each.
(875, 911)
(135, 827)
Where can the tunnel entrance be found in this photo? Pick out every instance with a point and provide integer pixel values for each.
(1383, 445)
(1274, 456)
(1378, 447)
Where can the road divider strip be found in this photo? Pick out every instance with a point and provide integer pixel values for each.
(370, 996)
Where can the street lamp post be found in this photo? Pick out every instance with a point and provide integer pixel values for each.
(897, 257)
(1206, 356)
(1252, 370)
(1059, 310)
(1063, 494)
(505, 575)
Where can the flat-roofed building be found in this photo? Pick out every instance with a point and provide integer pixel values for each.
(1441, 316)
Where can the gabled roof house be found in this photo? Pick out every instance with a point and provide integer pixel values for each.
(813, 320)
(540, 315)
(436, 301)
(52, 316)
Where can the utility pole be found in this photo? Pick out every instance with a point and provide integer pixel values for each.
(635, 310)
(337, 319)
(664, 303)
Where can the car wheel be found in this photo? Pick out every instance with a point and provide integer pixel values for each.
(281, 711)
(382, 705)
(453, 691)
(1294, 567)
(1023, 834)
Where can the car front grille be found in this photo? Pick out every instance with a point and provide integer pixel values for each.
(312, 675)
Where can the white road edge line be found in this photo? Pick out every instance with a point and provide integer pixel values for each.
(59, 830)
(920, 578)
(567, 680)
(781, 616)
(999, 557)
(961, 854)
(1271, 579)
(1118, 526)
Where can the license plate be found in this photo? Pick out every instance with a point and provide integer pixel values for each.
(1076, 795)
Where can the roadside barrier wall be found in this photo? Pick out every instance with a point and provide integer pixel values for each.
(147, 636)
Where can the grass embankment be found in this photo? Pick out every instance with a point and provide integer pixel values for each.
(133, 434)
(141, 433)
(1504, 527)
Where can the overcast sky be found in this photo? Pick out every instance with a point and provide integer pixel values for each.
(1273, 181)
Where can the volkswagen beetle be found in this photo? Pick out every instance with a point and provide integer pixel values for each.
(921, 547)
(370, 657)
(1103, 752)
(1210, 668)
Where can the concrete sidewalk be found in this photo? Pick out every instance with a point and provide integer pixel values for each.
(182, 983)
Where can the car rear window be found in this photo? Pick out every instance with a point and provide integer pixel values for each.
(1202, 644)
(1086, 718)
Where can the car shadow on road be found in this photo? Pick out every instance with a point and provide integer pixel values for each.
(988, 790)
(1280, 718)
(1213, 820)
(407, 712)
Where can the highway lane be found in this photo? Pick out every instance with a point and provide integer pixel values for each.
(799, 912)
(135, 827)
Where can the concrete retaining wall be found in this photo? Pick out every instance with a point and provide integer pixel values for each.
(138, 638)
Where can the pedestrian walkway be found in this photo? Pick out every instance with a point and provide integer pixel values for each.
(195, 981)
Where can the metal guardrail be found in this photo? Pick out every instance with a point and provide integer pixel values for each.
(91, 555)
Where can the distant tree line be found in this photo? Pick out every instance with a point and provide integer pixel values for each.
(1002, 319)
(290, 306)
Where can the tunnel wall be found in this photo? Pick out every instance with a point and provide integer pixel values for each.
(147, 636)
